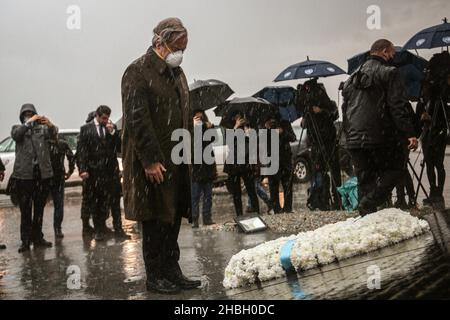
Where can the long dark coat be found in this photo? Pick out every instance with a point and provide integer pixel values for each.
(155, 101)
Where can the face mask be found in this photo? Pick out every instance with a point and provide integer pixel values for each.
(174, 59)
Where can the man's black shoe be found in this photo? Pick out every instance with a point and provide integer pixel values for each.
(24, 247)
(42, 243)
(120, 233)
(184, 283)
(88, 231)
(163, 286)
(58, 233)
(2, 247)
(208, 222)
(195, 225)
(99, 236)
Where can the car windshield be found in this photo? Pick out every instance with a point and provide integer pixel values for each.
(8, 145)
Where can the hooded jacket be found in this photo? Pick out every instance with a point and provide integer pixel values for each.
(376, 111)
(32, 147)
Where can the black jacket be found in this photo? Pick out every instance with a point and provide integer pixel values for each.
(204, 173)
(95, 155)
(375, 108)
(59, 150)
(286, 137)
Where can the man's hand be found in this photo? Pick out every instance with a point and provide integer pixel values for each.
(208, 125)
(84, 175)
(155, 172)
(413, 143)
(239, 123)
(316, 109)
(110, 127)
(45, 121)
(34, 118)
(197, 120)
(2, 175)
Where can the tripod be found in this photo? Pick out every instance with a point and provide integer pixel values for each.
(442, 105)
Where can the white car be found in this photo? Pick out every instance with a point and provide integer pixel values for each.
(8, 155)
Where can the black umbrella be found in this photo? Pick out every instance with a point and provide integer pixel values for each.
(206, 94)
(309, 69)
(255, 110)
(412, 69)
(284, 98)
(433, 37)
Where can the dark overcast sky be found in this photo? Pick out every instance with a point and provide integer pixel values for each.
(245, 43)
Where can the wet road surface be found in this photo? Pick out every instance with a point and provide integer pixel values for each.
(114, 269)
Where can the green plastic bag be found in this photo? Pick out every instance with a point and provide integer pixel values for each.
(349, 194)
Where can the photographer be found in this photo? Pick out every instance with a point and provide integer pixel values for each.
(319, 114)
(284, 174)
(203, 176)
(245, 171)
(433, 112)
(32, 173)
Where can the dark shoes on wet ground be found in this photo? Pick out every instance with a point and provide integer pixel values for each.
(24, 247)
(184, 282)
(2, 247)
(88, 231)
(42, 243)
(58, 233)
(120, 234)
(162, 286)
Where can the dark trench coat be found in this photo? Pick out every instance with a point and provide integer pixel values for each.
(155, 102)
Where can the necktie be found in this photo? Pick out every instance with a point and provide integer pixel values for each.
(102, 133)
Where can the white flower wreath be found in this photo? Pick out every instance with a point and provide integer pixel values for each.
(322, 246)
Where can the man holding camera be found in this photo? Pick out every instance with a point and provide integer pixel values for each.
(98, 146)
(319, 113)
(434, 115)
(32, 173)
(377, 122)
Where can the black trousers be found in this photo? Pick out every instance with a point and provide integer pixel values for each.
(97, 198)
(32, 196)
(283, 177)
(434, 155)
(234, 187)
(116, 194)
(378, 170)
(160, 248)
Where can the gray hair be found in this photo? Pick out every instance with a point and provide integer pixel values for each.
(168, 30)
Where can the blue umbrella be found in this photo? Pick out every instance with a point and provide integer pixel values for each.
(411, 67)
(309, 69)
(433, 37)
(284, 98)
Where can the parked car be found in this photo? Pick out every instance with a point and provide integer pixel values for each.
(302, 156)
(8, 155)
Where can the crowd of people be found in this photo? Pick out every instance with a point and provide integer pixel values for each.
(379, 124)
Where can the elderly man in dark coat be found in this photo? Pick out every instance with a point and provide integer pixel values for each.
(155, 98)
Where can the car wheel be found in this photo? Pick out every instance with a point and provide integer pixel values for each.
(302, 171)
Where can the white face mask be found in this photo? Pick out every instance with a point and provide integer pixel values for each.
(174, 59)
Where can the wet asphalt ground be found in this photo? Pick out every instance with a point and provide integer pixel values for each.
(414, 269)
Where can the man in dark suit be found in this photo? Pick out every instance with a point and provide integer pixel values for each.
(97, 151)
